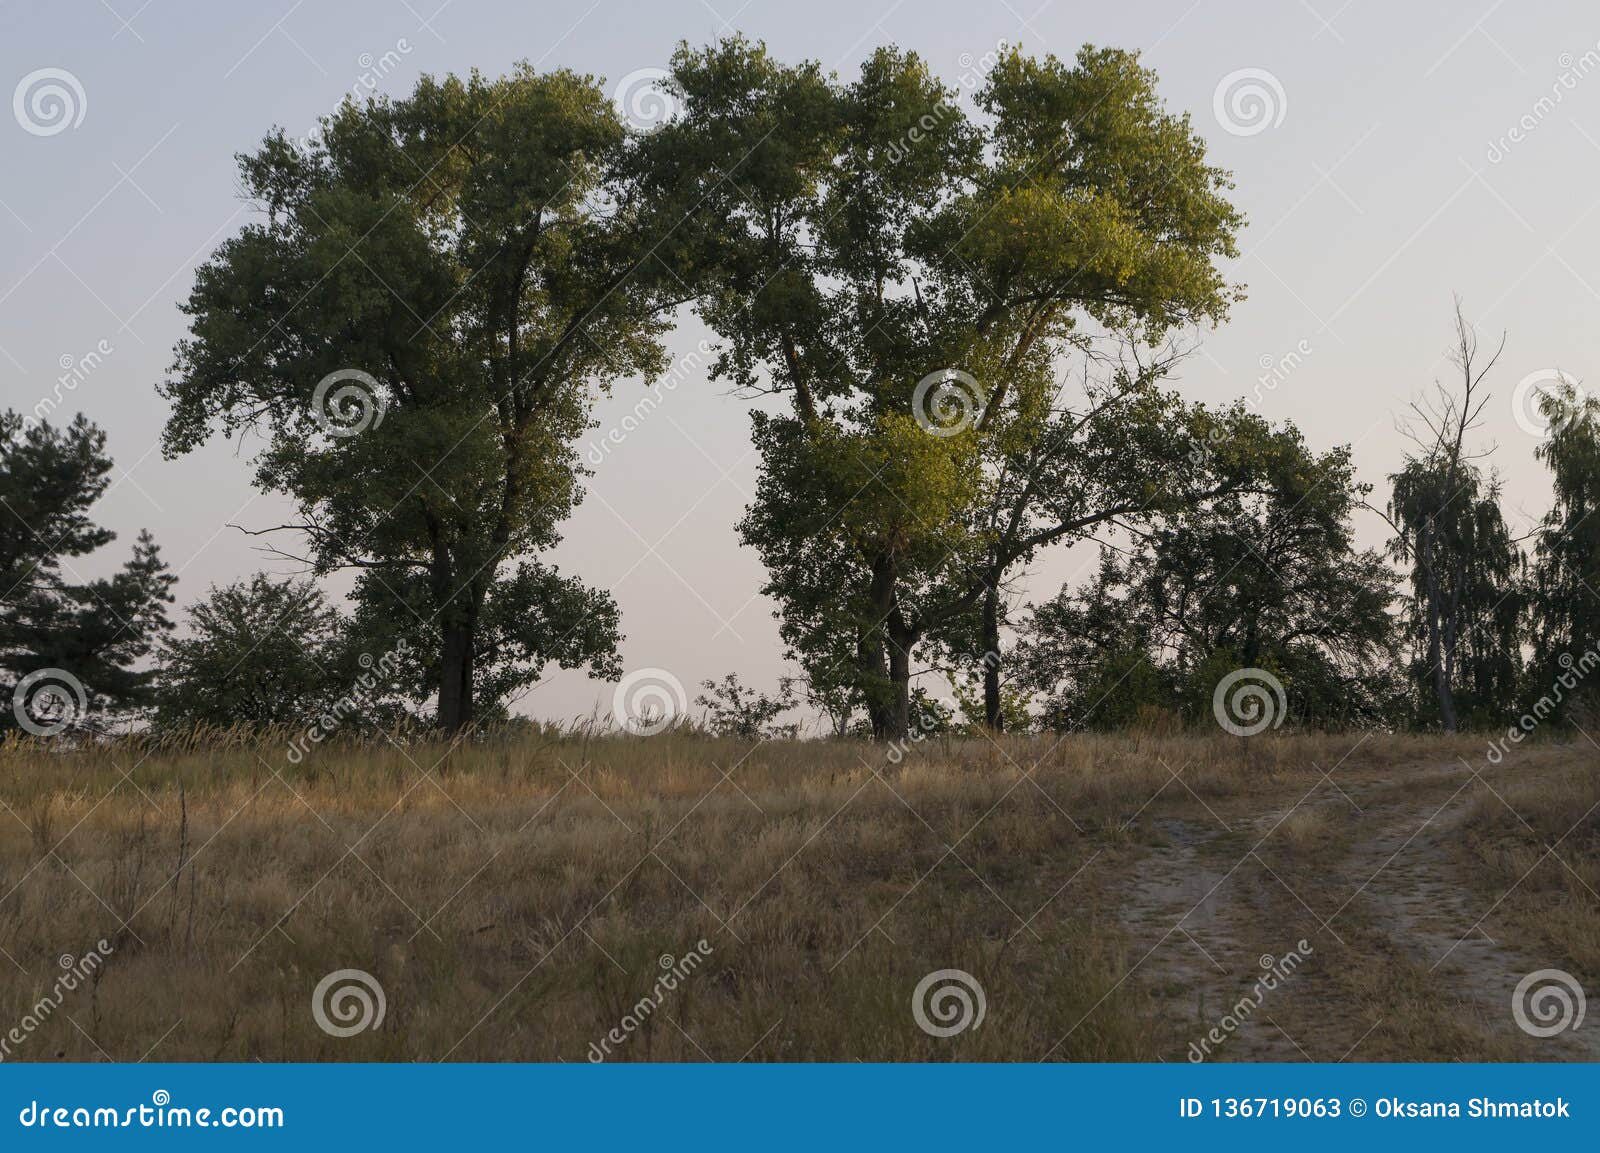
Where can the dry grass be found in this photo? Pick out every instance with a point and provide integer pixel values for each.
(1538, 839)
(513, 897)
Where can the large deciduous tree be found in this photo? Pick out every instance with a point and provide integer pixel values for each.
(907, 274)
(416, 326)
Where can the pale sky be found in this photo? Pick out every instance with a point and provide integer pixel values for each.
(1407, 151)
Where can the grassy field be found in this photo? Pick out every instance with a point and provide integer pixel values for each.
(1112, 897)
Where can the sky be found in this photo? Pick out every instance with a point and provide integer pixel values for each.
(1386, 156)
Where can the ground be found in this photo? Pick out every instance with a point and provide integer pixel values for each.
(545, 897)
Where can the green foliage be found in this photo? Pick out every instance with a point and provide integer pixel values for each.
(1466, 597)
(733, 709)
(875, 236)
(1566, 569)
(465, 249)
(1465, 601)
(1264, 575)
(1016, 704)
(83, 638)
(267, 652)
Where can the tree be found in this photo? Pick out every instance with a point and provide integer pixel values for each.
(263, 652)
(907, 275)
(1125, 453)
(1566, 571)
(735, 710)
(69, 647)
(1465, 600)
(1264, 575)
(416, 325)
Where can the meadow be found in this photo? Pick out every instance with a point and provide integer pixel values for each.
(525, 897)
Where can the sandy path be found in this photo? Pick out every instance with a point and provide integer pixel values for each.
(1197, 930)
(1407, 882)
(1195, 927)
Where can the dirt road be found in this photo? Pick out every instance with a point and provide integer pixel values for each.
(1369, 874)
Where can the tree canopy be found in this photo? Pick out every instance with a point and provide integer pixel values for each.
(907, 273)
(417, 325)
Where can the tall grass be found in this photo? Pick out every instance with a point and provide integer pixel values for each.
(513, 896)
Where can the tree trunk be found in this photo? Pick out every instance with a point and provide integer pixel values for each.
(1444, 675)
(872, 672)
(1441, 646)
(885, 653)
(455, 677)
(993, 714)
(899, 704)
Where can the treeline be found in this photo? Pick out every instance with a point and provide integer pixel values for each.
(438, 286)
